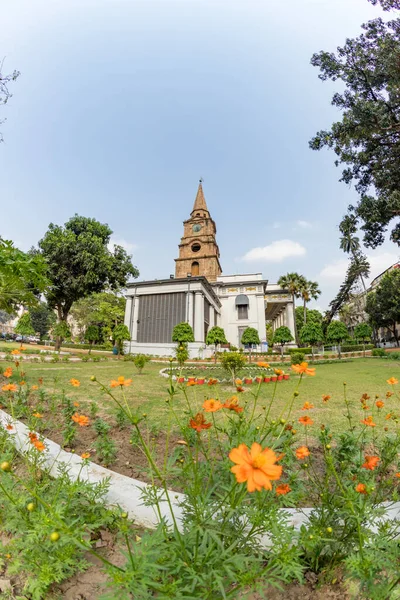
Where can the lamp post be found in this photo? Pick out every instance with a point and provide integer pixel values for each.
(187, 302)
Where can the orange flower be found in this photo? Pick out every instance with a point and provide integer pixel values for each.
(364, 397)
(40, 380)
(82, 420)
(389, 394)
(198, 422)
(361, 488)
(307, 406)
(8, 372)
(35, 387)
(39, 445)
(9, 427)
(9, 387)
(397, 475)
(212, 381)
(278, 372)
(21, 383)
(283, 489)
(238, 382)
(212, 405)
(75, 382)
(306, 420)
(233, 404)
(16, 352)
(257, 467)
(388, 416)
(76, 404)
(302, 368)
(85, 455)
(370, 462)
(37, 415)
(392, 381)
(302, 452)
(190, 383)
(121, 381)
(32, 436)
(263, 365)
(379, 404)
(239, 388)
(16, 364)
(325, 398)
(369, 421)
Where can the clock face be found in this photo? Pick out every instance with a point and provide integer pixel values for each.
(196, 228)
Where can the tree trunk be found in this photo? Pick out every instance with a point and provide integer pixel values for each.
(305, 312)
(215, 353)
(90, 349)
(312, 352)
(364, 348)
(396, 337)
(282, 352)
(339, 351)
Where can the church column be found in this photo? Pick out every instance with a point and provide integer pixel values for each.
(190, 304)
(134, 326)
(128, 313)
(212, 317)
(198, 317)
(290, 318)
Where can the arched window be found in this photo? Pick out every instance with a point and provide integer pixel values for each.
(196, 247)
(242, 303)
(195, 268)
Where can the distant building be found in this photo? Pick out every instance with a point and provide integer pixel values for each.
(200, 295)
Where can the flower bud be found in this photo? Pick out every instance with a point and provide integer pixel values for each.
(329, 530)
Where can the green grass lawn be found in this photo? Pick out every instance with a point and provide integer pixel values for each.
(148, 391)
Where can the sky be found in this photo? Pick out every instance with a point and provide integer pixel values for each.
(122, 105)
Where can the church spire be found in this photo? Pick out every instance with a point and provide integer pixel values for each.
(200, 202)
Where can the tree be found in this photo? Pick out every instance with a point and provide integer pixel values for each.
(121, 334)
(349, 242)
(43, 319)
(79, 263)
(309, 290)
(106, 310)
(182, 333)
(363, 332)
(313, 316)
(61, 331)
(22, 277)
(233, 363)
(282, 336)
(356, 269)
(24, 326)
(92, 334)
(216, 336)
(269, 331)
(250, 337)
(336, 333)
(5, 94)
(383, 305)
(293, 282)
(366, 140)
(311, 333)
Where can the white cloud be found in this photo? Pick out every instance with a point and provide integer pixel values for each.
(128, 246)
(336, 270)
(304, 224)
(276, 252)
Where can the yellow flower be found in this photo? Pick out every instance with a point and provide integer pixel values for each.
(392, 381)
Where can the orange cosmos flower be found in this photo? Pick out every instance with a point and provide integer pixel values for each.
(302, 368)
(212, 381)
(76, 404)
(283, 489)
(32, 436)
(263, 365)
(21, 383)
(369, 421)
(212, 405)
(40, 380)
(8, 372)
(361, 488)
(239, 388)
(257, 467)
(16, 352)
(302, 452)
(307, 406)
(82, 420)
(16, 364)
(233, 404)
(238, 382)
(370, 462)
(379, 404)
(389, 394)
(39, 445)
(75, 382)
(34, 387)
(278, 372)
(364, 397)
(37, 415)
(392, 381)
(397, 475)
(190, 383)
(9, 427)
(121, 381)
(306, 420)
(198, 422)
(388, 416)
(325, 398)
(85, 455)
(9, 387)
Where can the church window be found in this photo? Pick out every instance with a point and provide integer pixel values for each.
(196, 247)
(242, 303)
(195, 268)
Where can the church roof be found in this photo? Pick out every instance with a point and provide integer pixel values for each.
(200, 202)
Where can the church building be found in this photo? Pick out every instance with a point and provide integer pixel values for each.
(200, 295)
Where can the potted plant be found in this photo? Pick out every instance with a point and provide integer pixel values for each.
(180, 379)
(267, 379)
(274, 378)
(259, 379)
(191, 379)
(200, 380)
(248, 380)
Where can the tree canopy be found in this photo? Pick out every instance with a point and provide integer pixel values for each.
(250, 336)
(294, 284)
(43, 318)
(311, 333)
(282, 335)
(216, 335)
(24, 325)
(313, 316)
(363, 331)
(105, 309)
(336, 333)
(366, 140)
(182, 333)
(383, 304)
(121, 334)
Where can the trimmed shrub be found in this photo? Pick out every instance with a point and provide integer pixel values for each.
(296, 358)
(378, 352)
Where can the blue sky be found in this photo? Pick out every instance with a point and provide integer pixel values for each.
(123, 104)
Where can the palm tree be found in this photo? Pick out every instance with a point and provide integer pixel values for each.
(350, 243)
(309, 291)
(293, 283)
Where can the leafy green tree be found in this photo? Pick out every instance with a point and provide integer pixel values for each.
(282, 336)
(383, 305)
(92, 335)
(269, 331)
(121, 334)
(366, 140)
(79, 263)
(250, 337)
(293, 283)
(105, 309)
(216, 336)
(182, 333)
(61, 331)
(313, 315)
(140, 361)
(309, 290)
(350, 243)
(22, 277)
(311, 333)
(363, 332)
(336, 333)
(233, 363)
(43, 319)
(24, 326)
(347, 290)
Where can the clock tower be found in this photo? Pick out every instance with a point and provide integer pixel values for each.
(198, 250)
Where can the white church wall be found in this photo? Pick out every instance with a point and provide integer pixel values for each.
(229, 317)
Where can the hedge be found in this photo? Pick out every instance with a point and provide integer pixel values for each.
(356, 347)
(82, 346)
